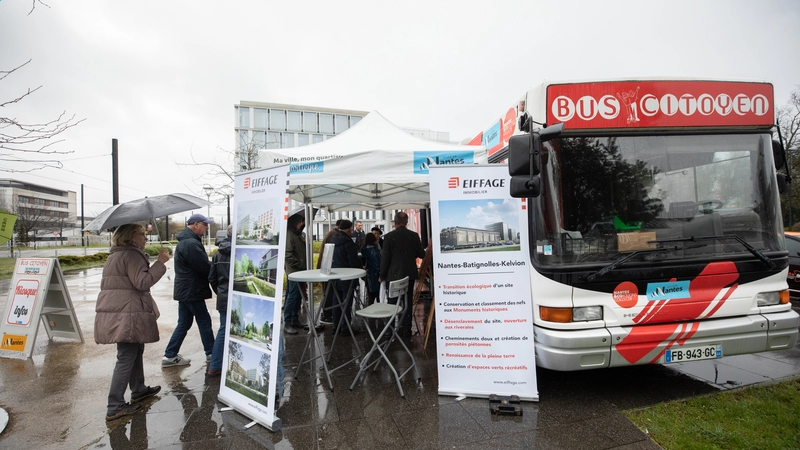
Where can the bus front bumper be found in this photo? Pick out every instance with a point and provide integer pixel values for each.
(597, 348)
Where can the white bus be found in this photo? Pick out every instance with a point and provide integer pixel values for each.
(655, 221)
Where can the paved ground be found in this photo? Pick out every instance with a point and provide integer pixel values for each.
(56, 399)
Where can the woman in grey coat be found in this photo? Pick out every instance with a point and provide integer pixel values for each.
(126, 315)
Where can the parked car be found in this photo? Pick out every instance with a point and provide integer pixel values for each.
(793, 245)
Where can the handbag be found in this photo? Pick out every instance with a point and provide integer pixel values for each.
(156, 312)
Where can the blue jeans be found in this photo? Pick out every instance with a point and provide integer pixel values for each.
(291, 309)
(188, 311)
(219, 343)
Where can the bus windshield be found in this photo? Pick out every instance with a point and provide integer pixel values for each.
(605, 197)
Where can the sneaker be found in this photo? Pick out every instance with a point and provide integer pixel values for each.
(297, 325)
(288, 329)
(127, 409)
(149, 392)
(326, 320)
(213, 373)
(177, 360)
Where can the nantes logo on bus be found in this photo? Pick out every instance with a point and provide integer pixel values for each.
(423, 160)
(654, 104)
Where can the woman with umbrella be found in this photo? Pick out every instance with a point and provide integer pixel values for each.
(126, 315)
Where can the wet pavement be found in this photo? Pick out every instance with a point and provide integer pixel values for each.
(57, 398)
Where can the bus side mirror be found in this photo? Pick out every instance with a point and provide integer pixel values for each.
(783, 186)
(526, 158)
(778, 154)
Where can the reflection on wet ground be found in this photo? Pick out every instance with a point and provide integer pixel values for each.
(57, 398)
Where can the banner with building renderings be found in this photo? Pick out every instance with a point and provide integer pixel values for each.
(484, 320)
(253, 333)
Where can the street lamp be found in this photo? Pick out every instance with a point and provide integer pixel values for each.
(209, 190)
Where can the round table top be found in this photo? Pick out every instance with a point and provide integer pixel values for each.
(318, 276)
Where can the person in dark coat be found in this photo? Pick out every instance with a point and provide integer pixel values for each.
(126, 313)
(372, 264)
(219, 277)
(327, 313)
(379, 236)
(358, 235)
(345, 255)
(191, 289)
(399, 254)
(295, 261)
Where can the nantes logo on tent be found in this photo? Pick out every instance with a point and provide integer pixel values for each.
(307, 167)
(423, 160)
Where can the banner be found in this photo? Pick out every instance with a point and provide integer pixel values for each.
(253, 331)
(484, 316)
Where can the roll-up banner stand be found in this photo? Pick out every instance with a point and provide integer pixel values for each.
(484, 316)
(37, 290)
(253, 331)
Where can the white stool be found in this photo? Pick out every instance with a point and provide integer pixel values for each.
(389, 313)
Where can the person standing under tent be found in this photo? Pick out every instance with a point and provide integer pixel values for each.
(399, 256)
(219, 277)
(372, 263)
(295, 261)
(358, 235)
(345, 255)
(126, 314)
(327, 314)
(191, 289)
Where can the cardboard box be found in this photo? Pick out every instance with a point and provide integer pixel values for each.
(637, 240)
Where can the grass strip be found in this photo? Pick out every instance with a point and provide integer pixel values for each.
(757, 417)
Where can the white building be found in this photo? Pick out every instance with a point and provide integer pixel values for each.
(54, 210)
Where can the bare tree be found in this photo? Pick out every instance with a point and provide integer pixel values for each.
(22, 144)
(222, 171)
(788, 121)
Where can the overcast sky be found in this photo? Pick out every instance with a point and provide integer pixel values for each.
(163, 76)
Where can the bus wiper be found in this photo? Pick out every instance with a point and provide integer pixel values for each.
(754, 251)
(602, 272)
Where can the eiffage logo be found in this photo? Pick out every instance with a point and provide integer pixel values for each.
(453, 182)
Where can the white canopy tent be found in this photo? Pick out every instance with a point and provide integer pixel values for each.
(373, 165)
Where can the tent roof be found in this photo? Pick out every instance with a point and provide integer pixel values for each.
(373, 165)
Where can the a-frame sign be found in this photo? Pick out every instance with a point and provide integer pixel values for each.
(37, 290)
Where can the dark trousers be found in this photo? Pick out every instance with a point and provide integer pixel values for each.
(405, 322)
(129, 371)
(188, 311)
(291, 308)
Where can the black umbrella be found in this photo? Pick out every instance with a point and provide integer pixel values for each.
(302, 212)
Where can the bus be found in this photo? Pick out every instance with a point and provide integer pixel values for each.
(655, 224)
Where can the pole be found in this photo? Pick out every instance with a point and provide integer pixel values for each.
(228, 197)
(114, 172)
(83, 216)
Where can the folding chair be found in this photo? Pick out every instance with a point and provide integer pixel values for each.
(389, 313)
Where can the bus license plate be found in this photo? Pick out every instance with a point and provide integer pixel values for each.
(683, 354)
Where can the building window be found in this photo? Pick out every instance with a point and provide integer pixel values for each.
(326, 123)
(259, 140)
(354, 120)
(294, 121)
(277, 119)
(316, 138)
(288, 140)
(310, 122)
(273, 140)
(260, 118)
(244, 117)
(244, 139)
(342, 123)
(302, 139)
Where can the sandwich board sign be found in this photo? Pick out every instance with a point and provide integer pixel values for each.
(37, 291)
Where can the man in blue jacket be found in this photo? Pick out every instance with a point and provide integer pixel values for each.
(191, 290)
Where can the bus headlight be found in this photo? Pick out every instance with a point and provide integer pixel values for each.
(772, 298)
(586, 313)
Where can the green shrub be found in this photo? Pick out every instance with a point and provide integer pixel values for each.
(154, 250)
